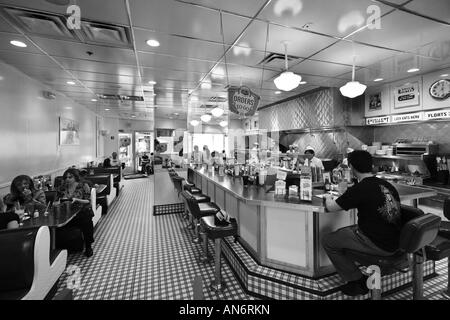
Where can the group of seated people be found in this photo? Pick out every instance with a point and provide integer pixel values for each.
(24, 196)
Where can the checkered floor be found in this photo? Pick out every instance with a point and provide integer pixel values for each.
(141, 256)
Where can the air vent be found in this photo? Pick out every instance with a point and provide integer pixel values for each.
(208, 106)
(217, 99)
(39, 23)
(95, 32)
(276, 57)
(120, 97)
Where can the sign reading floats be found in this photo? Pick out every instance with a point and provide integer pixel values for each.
(242, 101)
(440, 114)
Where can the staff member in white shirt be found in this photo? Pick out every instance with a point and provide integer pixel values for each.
(311, 160)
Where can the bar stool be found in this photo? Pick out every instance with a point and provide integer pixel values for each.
(418, 230)
(199, 210)
(217, 232)
(440, 248)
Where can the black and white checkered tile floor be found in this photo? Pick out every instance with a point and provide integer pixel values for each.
(141, 256)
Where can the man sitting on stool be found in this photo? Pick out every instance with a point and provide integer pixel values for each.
(379, 222)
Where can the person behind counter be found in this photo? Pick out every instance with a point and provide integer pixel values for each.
(379, 222)
(8, 220)
(206, 155)
(311, 160)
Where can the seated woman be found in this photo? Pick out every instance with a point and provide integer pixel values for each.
(107, 163)
(79, 192)
(8, 220)
(23, 194)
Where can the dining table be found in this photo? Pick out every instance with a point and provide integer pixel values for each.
(56, 216)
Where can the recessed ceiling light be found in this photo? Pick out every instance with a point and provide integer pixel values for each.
(378, 79)
(413, 70)
(152, 82)
(303, 82)
(277, 92)
(107, 109)
(176, 114)
(93, 100)
(206, 85)
(133, 116)
(153, 43)
(444, 75)
(68, 108)
(18, 43)
(70, 82)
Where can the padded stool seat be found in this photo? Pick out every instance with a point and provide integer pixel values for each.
(439, 249)
(418, 231)
(444, 229)
(217, 232)
(201, 198)
(192, 188)
(208, 208)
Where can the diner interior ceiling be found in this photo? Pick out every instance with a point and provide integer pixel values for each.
(217, 43)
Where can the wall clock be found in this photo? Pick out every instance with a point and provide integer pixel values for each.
(440, 89)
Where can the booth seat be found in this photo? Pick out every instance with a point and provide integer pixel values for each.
(109, 192)
(28, 270)
(96, 208)
(117, 181)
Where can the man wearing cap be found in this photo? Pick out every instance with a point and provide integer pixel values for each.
(311, 160)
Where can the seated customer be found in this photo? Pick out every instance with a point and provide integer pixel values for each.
(115, 162)
(145, 162)
(107, 163)
(78, 192)
(22, 193)
(8, 220)
(379, 222)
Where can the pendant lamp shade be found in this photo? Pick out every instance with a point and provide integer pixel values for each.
(217, 112)
(353, 88)
(223, 123)
(194, 123)
(205, 118)
(288, 80)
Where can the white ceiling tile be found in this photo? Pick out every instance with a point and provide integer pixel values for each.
(403, 31)
(178, 46)
(318, 68)
(331, 17)
(343, 52)
(149, 59)
(438, 9)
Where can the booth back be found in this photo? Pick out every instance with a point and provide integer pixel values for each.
(17, 258)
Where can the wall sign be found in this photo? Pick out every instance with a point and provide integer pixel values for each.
(439, 114)
(406, 95)
(242, 101)
(378, 120)
(407, 117)
(375, 101)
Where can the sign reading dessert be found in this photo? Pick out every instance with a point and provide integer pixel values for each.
(407, 117)
(242, 101)
(377, 120)
(406, 95)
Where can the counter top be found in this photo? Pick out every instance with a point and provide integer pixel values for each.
(257, 195)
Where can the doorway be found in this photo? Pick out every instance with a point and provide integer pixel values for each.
(143, 145)
(126, 151)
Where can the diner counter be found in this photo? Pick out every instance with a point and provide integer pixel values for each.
(257, 195)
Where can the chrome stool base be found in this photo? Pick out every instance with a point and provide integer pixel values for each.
(217, 288)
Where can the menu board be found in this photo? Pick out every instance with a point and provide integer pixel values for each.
(406, 95)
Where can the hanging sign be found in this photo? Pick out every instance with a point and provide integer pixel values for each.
(407, 117)
(439, 114)
(377, 120)
(242, 101)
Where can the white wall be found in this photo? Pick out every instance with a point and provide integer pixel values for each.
(29, 128)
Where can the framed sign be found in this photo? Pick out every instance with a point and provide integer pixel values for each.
(375, 101)
(406, 95)
(69, 132)
(242, 101)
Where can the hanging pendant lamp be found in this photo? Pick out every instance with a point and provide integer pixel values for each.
(288, 80)
(353, 88)
(217, 111)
